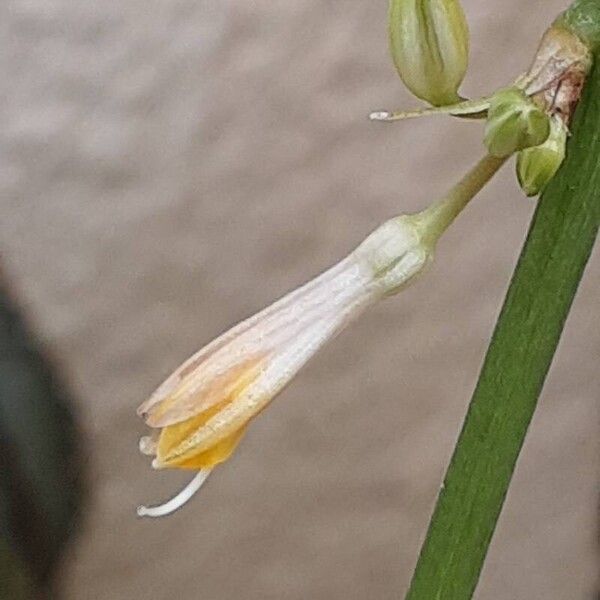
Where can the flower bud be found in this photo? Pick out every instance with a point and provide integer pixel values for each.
(514, 122)
(537, 166)
(429, 42)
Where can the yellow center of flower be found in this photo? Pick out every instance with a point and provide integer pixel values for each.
(202, 389)
(172, 436)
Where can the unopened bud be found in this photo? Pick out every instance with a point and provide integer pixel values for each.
(429, 42)
(537, 166)
(514, 122)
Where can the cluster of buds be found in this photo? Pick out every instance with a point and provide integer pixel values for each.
(429, 45)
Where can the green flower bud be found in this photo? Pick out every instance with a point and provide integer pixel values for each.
(537, 166)
(514, 122)
(429, 42)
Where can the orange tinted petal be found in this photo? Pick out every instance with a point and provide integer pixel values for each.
(185, 402)
(173, 435)
(219, 453)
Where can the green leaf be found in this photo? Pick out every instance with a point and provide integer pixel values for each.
(543, 286)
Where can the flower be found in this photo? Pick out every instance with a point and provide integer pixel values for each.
(201, 411)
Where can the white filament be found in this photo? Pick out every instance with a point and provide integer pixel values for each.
(178, 501)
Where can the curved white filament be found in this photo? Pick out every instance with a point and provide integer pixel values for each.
(178, 501)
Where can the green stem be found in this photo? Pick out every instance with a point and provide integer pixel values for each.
(583, 18)
(435, 219)
(542, 289)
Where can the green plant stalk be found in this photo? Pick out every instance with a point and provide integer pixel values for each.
(543, 286)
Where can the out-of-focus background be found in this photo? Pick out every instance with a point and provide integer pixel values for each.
(167, 169)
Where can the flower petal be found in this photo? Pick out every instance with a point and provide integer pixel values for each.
(198, 393)
(171, 438)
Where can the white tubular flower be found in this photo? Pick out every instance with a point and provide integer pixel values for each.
(201, 411)
(203, 408)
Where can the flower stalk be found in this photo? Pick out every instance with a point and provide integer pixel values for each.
(435, 219)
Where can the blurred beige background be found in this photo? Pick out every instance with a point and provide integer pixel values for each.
(171, 167)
